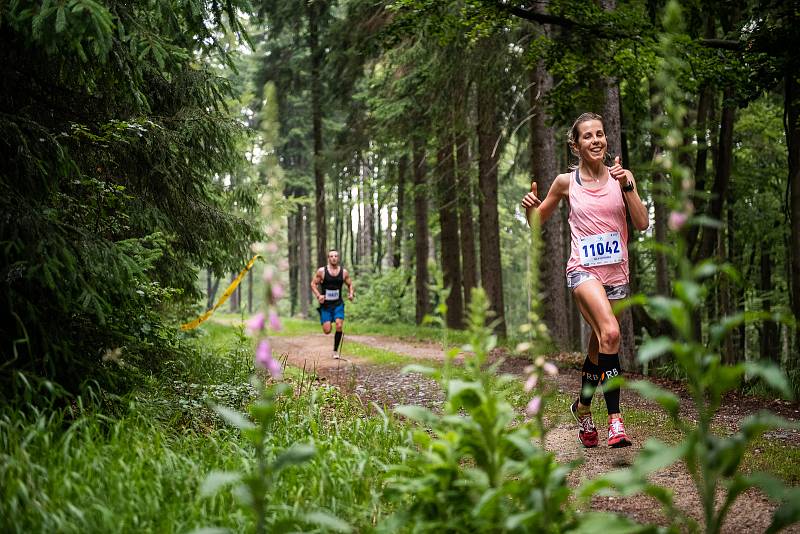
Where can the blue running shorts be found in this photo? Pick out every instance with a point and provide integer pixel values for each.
(330, 314)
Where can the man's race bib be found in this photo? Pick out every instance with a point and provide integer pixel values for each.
(601, 249)
(331, 294)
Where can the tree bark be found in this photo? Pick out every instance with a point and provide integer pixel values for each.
(211, 289)
(292, 245)
(544, 170)
(315, 53)
(719, 190)
(792, 127)
(304, 260)
(467, 231)
(447, 199)
(402, 170)
(768, 340)
(613, 129)
(420, 171)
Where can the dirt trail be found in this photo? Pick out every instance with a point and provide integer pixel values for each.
(386, 386)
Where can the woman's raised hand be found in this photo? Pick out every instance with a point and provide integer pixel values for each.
(531, 200)
(618, 173)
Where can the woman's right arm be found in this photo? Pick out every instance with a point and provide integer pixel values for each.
(531, 202)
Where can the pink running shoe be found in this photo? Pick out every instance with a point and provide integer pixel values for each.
(587, 432)
(616, 433)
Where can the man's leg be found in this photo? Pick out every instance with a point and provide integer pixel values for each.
(337, 337)
(338, 315)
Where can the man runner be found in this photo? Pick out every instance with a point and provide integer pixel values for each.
(327, 288)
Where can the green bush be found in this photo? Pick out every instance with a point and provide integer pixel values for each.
(384, 298)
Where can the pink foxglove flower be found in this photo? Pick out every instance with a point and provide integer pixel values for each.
(272, 248)
(255, 324)
(531, 382)
(274, 368)
(277, 292)
(269, 274)
(263, 354)
(550, 369)
(676, 220)
(534, 406)
(274, 320)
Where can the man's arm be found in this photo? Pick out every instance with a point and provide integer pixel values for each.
(315, 282)
(349, 282)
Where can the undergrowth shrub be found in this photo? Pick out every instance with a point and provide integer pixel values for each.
(387, 298)
(477, 466)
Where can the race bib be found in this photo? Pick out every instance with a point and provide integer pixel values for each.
(331, 294)
(601, 249)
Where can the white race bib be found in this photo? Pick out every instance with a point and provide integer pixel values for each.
(331, 294)
(601, 249)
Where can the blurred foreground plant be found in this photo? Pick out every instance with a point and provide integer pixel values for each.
(254, 486)
(476, 467)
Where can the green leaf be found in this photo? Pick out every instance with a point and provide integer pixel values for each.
(754, 425)
(297, 454)
(61, 19)
(416, 368)
(466, 392)
(594, 522)
(216, 480)
(232, 417)
(771, 374)
(327, 521)
(415, 413)
(653, 348)
(666, 399)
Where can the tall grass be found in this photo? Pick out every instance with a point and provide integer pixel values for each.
(82, 470)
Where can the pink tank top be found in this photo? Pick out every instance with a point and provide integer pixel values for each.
(593, 212)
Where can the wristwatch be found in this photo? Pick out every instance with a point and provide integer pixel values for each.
(627, 188)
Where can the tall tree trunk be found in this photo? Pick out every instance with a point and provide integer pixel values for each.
(369, 222)
(724, 294)
(315, 53)
(467, 231)
(339, 221)
(768, 341)
(613, 127)
(544, 170)
(378, 233)
(421, 251)
(304, 260)
(233, 300)
(488, 132)
(661, 191)
(212, 289)
(292, 232)
(402, 171)
(449, 240)
(792, 127)
(722, 175)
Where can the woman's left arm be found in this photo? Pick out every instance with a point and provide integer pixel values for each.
(636, 207)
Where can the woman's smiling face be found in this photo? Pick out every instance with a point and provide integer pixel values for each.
(591, 141)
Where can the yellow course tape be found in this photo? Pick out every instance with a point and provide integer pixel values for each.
(228, 292)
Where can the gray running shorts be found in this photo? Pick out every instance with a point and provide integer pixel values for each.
(576, 278)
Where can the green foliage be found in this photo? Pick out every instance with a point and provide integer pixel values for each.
(114, 142)
(383, 298)
(475, 467)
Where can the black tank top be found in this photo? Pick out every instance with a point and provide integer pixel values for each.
(332, 287)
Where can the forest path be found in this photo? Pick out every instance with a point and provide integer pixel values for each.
(385, 385)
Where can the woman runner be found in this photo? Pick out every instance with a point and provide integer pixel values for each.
(597, 271)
